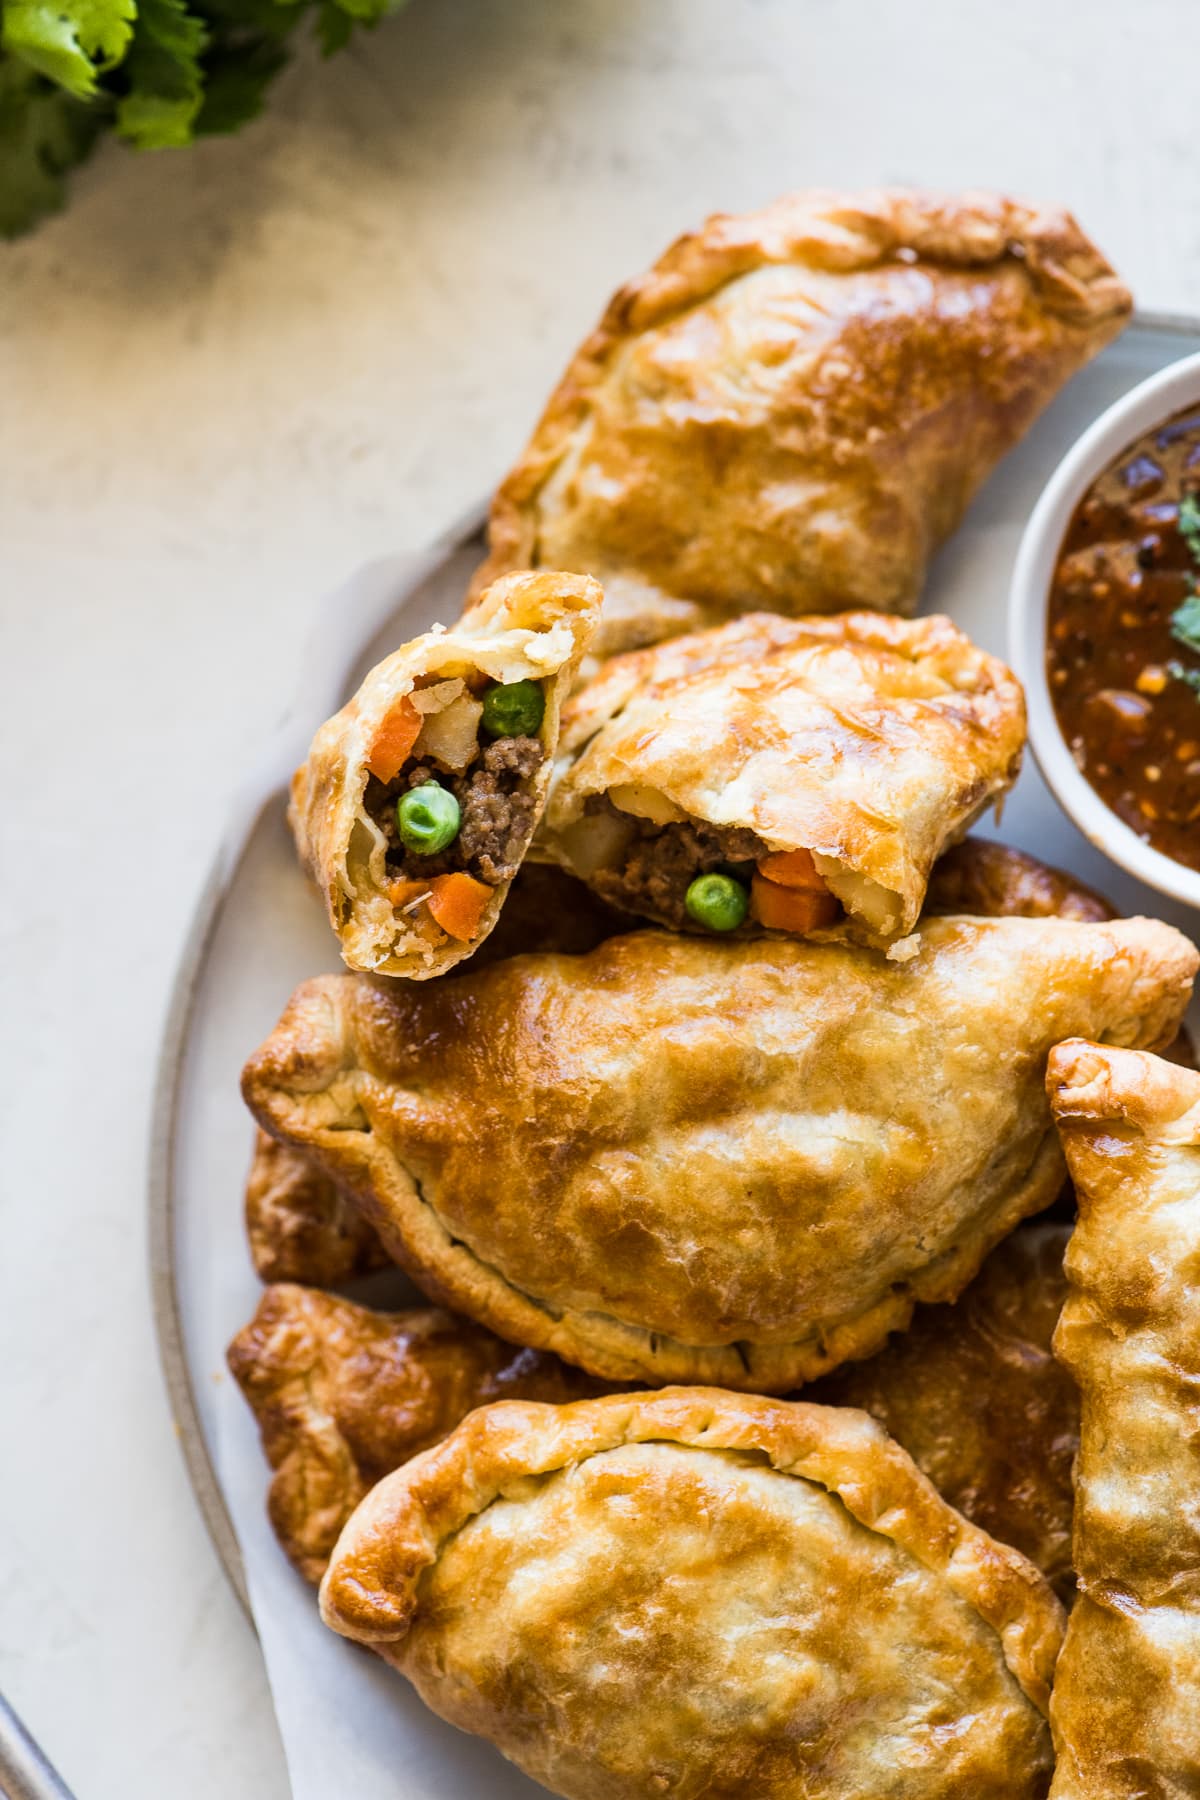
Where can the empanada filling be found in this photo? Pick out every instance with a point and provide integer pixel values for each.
(457, 815)
(695, 876)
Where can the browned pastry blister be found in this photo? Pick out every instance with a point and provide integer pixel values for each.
(865, 743)
(707, 1595)
(676, 1159)
(1126, 1707)
(344, 1395)
(791, 410)
(975, 1396)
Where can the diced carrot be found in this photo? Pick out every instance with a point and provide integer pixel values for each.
(791, 868)
(402, 893)
(393, 740)
(792, 909)
(457, 903)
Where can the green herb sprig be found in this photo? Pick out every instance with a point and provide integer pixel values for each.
(1185, 620)
(157, 73)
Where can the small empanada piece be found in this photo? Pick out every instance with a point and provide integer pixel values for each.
(344, 1395)
(858, 746)
(421, 716)
(996, 881)
(680, 1159)
(300, 1226)
(791, 410)
(975, 1396)
(708, 1596)
(1126, 1707)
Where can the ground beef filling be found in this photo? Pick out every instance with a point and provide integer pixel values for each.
(497, 813)
(661, 861)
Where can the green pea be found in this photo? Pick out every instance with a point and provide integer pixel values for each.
(428, 818)
(717, 901)
(513, 709)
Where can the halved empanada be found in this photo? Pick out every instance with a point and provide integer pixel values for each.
(1126, 1707)
(707, 1596)
(791, 409)
(428, 717)
(344, 1395)
(821, 764)
(680, 1159)
(975, 1396)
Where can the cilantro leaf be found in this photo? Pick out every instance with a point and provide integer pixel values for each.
(1191, 676)
(163, 73)
(69, 40)
(1185, 623)
(43, 133)
(1189, 522)
(334, 27)
(235, 85)
(368, 12)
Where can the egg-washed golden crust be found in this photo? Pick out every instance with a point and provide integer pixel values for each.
(677, 1159)
(531, 627)
(301, 1229)
(344, 1395)
(700, 1593)
(792, 408)
(975, 1396)
(870, 741)
(1126, 1708)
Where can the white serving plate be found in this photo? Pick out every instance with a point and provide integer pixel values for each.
(349, 1725)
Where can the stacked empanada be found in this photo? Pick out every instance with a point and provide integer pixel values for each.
(790, 1135)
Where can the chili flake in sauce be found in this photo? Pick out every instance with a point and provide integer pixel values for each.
(1123, 650)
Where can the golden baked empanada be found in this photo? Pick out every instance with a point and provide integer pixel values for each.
(344, 1395)
(708, 1596)
(418, 800)
(1126, 1708)
(791, 409)
(302, 1230)
(810, 765)
(978, 1401)
(683, 1159)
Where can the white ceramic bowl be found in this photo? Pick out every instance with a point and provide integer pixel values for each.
(1155, 400)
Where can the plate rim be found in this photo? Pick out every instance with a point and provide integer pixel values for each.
(164, 1119)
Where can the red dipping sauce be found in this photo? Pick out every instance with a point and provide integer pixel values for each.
(1123, 637)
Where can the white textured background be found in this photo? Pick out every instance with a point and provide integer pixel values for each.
(227, 376)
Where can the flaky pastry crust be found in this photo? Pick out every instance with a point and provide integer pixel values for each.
(975, 1396)
(1126, 1707)
(700, 1593)
(674, 1159)
(871, 742)
(791, 410)
(344, 1395)
(531, 627)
